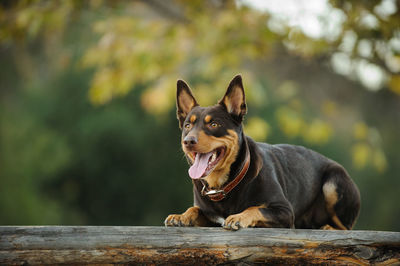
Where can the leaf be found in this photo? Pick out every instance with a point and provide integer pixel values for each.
(289, 121)
(257, 128)
(160, 98)
(394, 84)
(318, 132)
(361, 153)
(379, 161)
(360, 131)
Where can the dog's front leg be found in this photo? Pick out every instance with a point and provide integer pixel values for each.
(260, 216)
(191, 217)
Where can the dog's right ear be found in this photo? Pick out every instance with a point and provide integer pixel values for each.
(234, 100)
(184, 101)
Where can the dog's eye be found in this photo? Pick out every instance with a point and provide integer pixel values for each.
(214, 125)
(187, 125)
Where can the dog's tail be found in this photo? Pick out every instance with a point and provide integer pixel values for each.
(342, 198)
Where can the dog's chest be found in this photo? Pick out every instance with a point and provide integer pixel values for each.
(216, 219)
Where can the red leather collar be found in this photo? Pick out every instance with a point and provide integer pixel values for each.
(218, 195)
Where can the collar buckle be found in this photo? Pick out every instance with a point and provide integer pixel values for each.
(220, 194)
(214, 192)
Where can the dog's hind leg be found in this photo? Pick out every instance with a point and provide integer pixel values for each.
(328, 227)
(342, 198)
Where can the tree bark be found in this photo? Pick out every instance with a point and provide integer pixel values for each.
(161, 245)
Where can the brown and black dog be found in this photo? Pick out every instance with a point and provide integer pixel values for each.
(240, 183)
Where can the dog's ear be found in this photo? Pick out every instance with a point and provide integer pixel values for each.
(184, 101)
(234, 100)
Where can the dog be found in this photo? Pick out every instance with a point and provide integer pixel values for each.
(240, 183)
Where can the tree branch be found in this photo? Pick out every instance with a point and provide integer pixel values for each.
(154, 245)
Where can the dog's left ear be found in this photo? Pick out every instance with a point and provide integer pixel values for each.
(234, 100)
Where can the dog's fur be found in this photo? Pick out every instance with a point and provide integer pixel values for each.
(285, 185)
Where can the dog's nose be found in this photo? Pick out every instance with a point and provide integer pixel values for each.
(190, 140)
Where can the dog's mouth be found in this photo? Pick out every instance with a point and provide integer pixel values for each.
(205, 163)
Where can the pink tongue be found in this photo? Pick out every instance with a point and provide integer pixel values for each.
(200, 165)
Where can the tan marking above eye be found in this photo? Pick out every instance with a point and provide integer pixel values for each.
(207, 119)
(193, 119)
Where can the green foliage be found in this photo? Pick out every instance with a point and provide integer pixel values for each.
(208, 50)
(88, 133)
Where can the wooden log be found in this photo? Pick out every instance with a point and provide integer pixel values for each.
(161, 245)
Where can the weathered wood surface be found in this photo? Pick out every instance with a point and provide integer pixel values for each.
(160, 245)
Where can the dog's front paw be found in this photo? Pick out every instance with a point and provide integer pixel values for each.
(251, 217)
(175, 220)
(180, 220)
(235, 222)
(192, 217)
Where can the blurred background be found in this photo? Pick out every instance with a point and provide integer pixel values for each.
(88, 131)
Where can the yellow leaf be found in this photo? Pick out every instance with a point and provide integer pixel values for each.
(360, 131)
(361, 153)
(379, 161)
(318, 132)
(257, 128)
(159, 99)
(101, 90)
(394, 84)
(287, 89)
(290, 122)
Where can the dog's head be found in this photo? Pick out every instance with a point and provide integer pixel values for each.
(211, 136)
